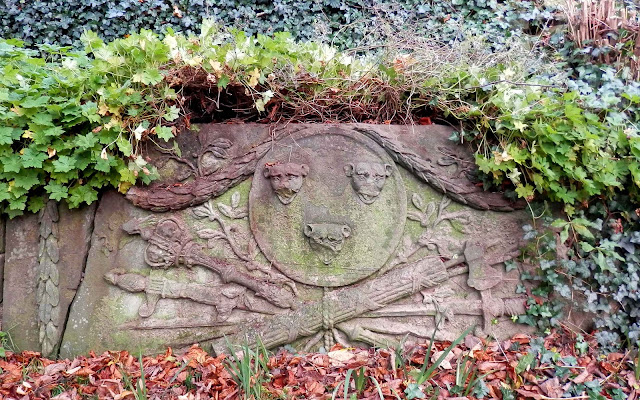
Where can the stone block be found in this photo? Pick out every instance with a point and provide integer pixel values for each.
(45, 259)
(304, 235)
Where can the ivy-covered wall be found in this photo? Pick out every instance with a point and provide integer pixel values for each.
(345, 22)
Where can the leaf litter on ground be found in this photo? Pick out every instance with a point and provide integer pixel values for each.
(523, 367)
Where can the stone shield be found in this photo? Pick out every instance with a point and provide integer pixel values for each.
(327, 235)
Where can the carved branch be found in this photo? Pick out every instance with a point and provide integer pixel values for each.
(173, 245)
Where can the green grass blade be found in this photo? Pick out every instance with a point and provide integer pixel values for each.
(346, 383)
(429, 372)
(378, 388)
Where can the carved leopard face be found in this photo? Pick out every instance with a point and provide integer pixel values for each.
(286, 179)
(327, 239)
(367, 179)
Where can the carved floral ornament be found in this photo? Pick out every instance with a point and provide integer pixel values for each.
(321, 232)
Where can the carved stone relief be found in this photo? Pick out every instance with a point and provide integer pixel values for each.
(46, 254)
(327, 239)
(307, 236)
(286, 179)
(2, 235)
(327, 236)
(367, 179)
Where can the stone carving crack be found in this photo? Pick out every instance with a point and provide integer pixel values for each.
(48, 292)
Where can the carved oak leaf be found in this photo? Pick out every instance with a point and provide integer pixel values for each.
(418, 202)
(444, 203)
(416, 216)
(447, 161)
(460, 223)
(208, 163)
(430, 209)
(202, 211)
(233, 212)
(219, 152)
(235, 199)
(225, 210)
(221, 143)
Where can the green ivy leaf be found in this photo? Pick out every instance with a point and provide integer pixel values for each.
(8, 134)
(524, 191)
(413, 391)
(56, 191)
(64, 164)
(525, 363)
(35, 204)
(53, 131)
(86, 141)
(34, 102)
(18, 204)
(171, 113)
(11, 163)
(4, 191)
(27, 179)
(124, 146)
(32, 158)
(586, 247)
(164, 133)
(127, 175)
(42, 118)
(81, 194)
(224, 81)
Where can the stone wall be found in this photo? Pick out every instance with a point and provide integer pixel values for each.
(301, 234)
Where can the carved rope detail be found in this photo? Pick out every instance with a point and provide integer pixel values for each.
(48, 294)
